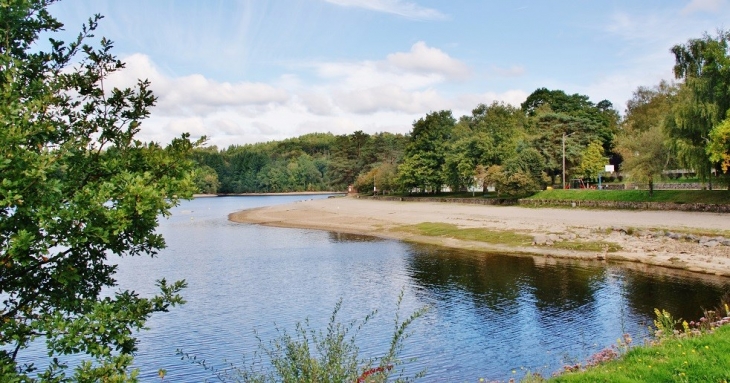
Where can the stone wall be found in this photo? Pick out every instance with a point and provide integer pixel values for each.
(669, 186)
(471, 201)
(657, 186)
(630, 205)
(623, 205)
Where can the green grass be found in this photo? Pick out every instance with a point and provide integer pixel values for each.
(677, 196)
(703, 232)
(698, 359)
(433, 229)
(503, 237)
(588, 246)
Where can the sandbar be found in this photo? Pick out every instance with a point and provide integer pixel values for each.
(638, 233)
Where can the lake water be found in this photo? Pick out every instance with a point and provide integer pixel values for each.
(490, 314)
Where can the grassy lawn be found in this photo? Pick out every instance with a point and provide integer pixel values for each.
(677, 196)
(446, 230)
(699, 359)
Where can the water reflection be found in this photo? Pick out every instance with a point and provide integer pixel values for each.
(495, 280)
(346, 237)
(510, 312)
(490, 313)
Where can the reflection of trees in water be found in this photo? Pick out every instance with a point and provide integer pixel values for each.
(498, 281)
(557, 288)
(682, 297)
(345, 237)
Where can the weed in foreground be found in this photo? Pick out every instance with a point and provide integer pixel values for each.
(310, 355)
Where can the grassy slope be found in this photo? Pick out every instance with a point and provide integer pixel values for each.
(678, 196)
(700, 359)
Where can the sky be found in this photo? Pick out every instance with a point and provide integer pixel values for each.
(247, 71)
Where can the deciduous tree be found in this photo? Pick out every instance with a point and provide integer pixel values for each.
(644, 142)
(719, 147)
(425, 153)
(77, 190)
(704, 100)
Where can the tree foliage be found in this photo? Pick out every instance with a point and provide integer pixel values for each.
(719, 147)
(77, 188)
(593, 161)
(425, 153)
(704, 100)
(644, 141)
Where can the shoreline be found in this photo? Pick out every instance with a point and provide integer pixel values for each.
(634, 231)
(268, 194)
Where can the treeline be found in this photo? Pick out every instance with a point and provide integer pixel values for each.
(681, 125)
(312, 162)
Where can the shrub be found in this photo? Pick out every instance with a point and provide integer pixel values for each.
(310, 355)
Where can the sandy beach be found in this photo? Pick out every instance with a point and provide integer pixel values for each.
(652, 238)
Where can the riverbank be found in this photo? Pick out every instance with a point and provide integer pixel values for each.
(269, 194)
(673, 239)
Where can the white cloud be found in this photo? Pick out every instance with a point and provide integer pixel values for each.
(464, 103)
(398, 7)
(695, 6)
(424, 59)
(317, 103)
(195, 94)
(388, 98)
(403, 82)
(370, 95)
(367, 74)
(264, 128)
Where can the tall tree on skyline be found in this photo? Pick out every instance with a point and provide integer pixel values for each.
(704, 100)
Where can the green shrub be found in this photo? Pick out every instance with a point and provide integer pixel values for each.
(310, 355)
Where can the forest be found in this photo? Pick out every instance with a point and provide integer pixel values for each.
(678, 124)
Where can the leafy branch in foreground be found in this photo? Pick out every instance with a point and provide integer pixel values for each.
(76, 188)
(311, 355)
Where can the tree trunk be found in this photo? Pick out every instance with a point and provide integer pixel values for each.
(651, 188)
(709, 179)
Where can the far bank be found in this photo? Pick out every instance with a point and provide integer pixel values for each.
(654, 238)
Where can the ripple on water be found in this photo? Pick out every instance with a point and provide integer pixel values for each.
(489, 314)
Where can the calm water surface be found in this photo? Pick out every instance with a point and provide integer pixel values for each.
(490, 314)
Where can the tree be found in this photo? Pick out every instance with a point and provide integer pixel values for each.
(719, 147)
(524, 172)
(462, 158)
(602, 117)
(704, 65)
(502, 127)
(548, 132)
(77, 188)
(644, 142)
(206, 180)
(593, 160)
(645, 155)
(425, 153)
(382, 176)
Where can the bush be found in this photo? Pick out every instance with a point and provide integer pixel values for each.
(311, 355)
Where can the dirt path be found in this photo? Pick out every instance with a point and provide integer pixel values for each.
(642, 235)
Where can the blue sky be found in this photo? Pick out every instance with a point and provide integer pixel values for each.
(245, 71)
